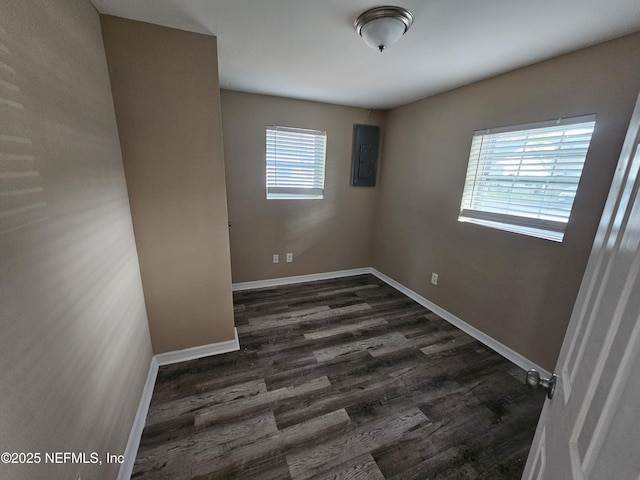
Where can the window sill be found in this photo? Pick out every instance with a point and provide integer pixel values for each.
(528, 231)
(286, 196)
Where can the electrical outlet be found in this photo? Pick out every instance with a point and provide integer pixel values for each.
(276, 258)
(434, 278)
(289, 257)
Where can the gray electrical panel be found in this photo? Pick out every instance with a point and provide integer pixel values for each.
(364, 156)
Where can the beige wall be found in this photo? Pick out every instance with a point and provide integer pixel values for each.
(326, 235)
(74, 341)
(167, 101)
(517, 289)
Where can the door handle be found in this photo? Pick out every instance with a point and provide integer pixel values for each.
(534, 380)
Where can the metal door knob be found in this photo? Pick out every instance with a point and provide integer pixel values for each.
(534, 380)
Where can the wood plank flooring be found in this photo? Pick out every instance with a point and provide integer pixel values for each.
(340, 379)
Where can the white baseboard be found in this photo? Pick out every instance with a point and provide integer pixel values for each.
(131, 450)
(199, 351)
(492, 343)
(274, 282)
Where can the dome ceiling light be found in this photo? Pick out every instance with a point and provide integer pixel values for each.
(381, 27)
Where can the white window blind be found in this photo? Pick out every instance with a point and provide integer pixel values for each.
(295, 163)
(524, 178)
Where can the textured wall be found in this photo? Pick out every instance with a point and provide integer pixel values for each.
(74, 340)
(514, 288)
(167, 102)
(326, 235)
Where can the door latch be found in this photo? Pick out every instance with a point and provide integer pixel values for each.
(534, 380)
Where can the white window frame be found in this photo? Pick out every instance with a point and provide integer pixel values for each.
(524, 178)
(295, 163)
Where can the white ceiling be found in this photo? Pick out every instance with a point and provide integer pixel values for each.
(309, 49)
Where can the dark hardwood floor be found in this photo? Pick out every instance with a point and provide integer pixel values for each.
(340, 379)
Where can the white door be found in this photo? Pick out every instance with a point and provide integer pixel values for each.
(591, 428)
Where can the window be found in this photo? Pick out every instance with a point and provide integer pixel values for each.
(524, 178)
(295, 163)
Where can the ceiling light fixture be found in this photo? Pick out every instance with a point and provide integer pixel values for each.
(381, 27)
